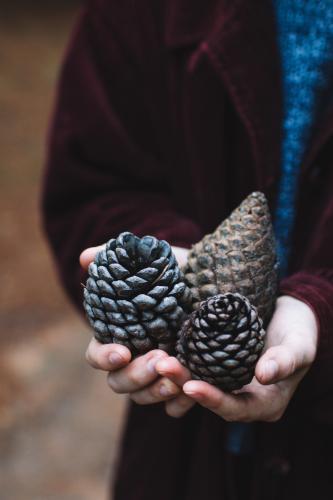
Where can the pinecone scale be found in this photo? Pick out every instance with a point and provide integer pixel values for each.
(135, 294)
(221, 342)
(239, 256)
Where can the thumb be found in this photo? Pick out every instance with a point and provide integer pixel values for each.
(88, 256)
(277, 363)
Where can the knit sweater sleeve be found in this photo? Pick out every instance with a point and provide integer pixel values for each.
(104, 174)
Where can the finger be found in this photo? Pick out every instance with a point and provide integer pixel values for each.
(107, 357)
(138, 374)
(181, 255)
(88, 255)
(277, 363)
(162, 390)
(228, 406)
(174, 370)
(177, 407)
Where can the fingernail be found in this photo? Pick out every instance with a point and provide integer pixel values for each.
(115, 359)
(162, 365)
(151, 364)
(190, 393)
(164, 390)
(271, 369)
(188, 389)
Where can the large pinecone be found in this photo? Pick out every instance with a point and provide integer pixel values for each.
(135, 294)
(221, 342)
(239, 256)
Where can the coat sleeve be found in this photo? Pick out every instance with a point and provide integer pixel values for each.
(313, 284)
(104, 173)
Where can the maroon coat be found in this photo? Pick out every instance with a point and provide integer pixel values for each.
(168, 115)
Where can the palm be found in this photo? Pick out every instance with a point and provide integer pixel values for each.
(289, 352)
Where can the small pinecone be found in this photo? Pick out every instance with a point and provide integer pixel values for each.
(239, 256)
(221, 342)
(135, 294)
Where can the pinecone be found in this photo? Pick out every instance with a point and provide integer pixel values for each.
(221, 342)
(239, 256)
(135, 294)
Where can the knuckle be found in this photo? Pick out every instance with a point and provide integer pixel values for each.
(167, 389)
(174, 411)
(133, 378)
(154, 392)
(144, 397)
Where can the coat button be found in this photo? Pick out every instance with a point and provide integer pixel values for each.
(278, 466)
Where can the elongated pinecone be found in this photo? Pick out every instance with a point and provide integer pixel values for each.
(135, 294)
(239, 256)
(221, 342)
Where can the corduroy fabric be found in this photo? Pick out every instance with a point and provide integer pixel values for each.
(168, 114)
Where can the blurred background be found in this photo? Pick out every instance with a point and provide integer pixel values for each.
(59, 423)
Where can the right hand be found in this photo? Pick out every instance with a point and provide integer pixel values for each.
(138, 378)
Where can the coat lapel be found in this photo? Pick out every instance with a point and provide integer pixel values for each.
(239, 39)
(188, 21)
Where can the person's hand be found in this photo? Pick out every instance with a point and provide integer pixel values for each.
(291, 345)
(138, 378)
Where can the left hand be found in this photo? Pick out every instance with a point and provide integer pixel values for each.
(137, 378)
(291, 345)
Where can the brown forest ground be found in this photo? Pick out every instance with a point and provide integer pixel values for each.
(59, 424)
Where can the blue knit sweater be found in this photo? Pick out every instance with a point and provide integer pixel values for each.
(305, 39)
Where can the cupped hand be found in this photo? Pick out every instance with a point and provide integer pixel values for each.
(290, 350)
(137, 377)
